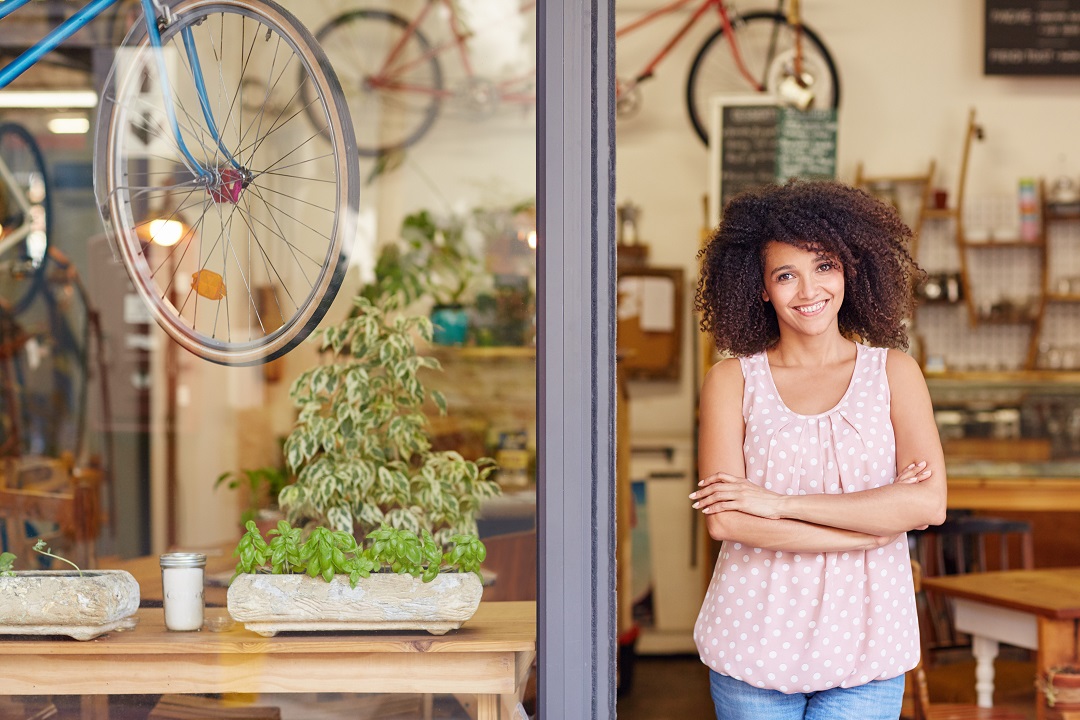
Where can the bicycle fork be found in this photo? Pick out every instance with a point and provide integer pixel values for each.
(224, 185)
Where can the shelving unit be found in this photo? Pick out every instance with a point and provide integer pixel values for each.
(1049, 296)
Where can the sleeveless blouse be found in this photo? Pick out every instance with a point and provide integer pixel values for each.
(805, 622)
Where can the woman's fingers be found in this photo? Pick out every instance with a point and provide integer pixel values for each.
(914, 473)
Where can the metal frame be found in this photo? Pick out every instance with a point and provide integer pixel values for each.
(576, 359)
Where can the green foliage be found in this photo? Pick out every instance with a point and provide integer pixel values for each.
(434, 257)
(326, 553)
(43, 547)
(360, 448)
(263, 486)
(7, 562)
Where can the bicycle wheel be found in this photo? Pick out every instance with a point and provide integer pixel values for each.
(391, 78)
(259, 223)
(766, 44)
(25, 215)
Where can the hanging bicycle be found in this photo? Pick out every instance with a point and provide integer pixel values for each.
(228, 211)
(395, 83)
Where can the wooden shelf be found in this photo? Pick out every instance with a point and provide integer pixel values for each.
(1029, 378)
(993, 244)
(483, 354)
(1051, 217)
(1063, 297)
(939, 213)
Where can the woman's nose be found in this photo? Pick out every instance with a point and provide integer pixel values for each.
(807, 286)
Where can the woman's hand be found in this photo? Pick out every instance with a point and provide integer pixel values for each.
(912, 474)
(722, 491)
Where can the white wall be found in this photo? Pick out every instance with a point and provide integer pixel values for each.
(909, 74)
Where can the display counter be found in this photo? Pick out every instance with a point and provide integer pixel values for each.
(1014, 486)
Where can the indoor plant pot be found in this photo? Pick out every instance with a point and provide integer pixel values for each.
(1061, 687)
(66, 602)
(267, 603)
(394, 580)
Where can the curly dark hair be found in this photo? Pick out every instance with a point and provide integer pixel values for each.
(865, 235)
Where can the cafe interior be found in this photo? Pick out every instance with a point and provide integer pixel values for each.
(143, 414)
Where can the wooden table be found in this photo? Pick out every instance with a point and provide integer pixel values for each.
(1034, 609)
(489, 656)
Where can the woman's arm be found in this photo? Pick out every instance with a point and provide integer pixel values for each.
(883, 511)
(721, 433)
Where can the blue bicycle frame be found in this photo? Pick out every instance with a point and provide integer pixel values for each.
(84, 17)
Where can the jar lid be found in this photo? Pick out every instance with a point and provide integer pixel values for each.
(183, 560)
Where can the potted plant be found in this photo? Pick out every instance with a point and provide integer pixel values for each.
(82, 604)
(1061, 687)
(395, 579)
(360, 450)
(437, 257)
(262, 487)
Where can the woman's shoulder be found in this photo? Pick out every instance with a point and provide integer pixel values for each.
(902, 369)
(724, 375)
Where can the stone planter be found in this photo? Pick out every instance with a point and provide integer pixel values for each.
(61, 602)
(268, 604)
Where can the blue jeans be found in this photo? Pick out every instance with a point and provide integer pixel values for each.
(737, 700)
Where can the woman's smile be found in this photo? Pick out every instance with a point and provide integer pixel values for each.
(812, 309)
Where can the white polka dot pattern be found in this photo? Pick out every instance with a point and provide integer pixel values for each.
(803, 622)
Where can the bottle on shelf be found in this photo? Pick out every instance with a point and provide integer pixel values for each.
(1029, 210)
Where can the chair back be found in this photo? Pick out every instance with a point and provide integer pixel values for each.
(50, 499)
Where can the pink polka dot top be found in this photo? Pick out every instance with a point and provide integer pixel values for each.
(804, 622)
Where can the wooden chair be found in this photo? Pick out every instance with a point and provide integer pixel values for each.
(58, 499)
(960, 545)
(919, 689)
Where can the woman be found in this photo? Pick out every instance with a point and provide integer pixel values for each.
(818, 452)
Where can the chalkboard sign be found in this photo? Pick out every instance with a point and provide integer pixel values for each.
(747, 148)
(806, 144)
(761, 143)
(1032, 37)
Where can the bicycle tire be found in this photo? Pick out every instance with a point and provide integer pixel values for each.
(279, 223)
(714, 66)
(24, 263)
(357, 43)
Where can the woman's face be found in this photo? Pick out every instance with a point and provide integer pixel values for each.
(805, 288)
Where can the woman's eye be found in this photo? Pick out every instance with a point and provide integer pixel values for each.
(783, 276)
(826, 267)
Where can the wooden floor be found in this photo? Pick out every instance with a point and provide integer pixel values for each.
(677, 687)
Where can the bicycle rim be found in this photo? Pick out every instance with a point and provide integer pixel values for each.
(714, 71)
(259, 255)
(26, 221)
(393, 102)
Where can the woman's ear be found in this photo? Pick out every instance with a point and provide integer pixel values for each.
(765, 295)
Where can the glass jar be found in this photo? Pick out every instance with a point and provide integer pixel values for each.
(182, 586)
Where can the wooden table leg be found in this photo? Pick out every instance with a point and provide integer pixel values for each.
(487, 707)
(1059, 644)
(94, 707)
(985, 651)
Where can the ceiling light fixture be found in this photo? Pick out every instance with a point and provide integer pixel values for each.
(48, 99)
(69, 126)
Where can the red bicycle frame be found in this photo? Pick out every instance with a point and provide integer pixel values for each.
(706, 5)
(459, 38)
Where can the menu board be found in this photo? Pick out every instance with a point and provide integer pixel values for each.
(760, 143)
(806, 144)
(1032, 37)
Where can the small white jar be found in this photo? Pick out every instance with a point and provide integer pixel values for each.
(182, 583)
